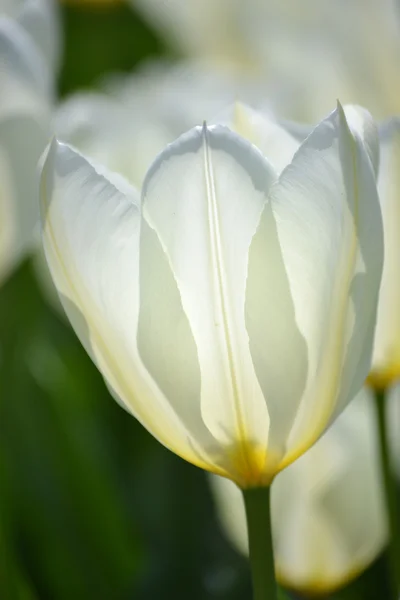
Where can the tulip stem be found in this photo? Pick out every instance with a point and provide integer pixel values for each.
(257, 505)
(390, 490)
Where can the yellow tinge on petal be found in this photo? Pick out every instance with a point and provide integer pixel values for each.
(385, 369)
(381, 378)
(319, 587)
(250, 465)
(319, 508)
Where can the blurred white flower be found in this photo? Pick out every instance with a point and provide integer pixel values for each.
(328, 511)
(231, 309)
(27, 57)
(40, 19)
(386, 356)
(309, 52)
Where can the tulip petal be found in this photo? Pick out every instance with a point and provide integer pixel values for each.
(22, 139)
(275, 142)
(91, 225)
(321, 540)
(21, 67)
(202, 201)
(24, 124)
(40, 19)
(361, 123)
(328, 222)
(277, 345)
(386, 358)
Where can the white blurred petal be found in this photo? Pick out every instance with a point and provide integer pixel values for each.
(22, 70)
(125, 140)
(386, 357)
(202, 29)
(41, 20)
(275, 142)
(22, 140)
(24, 127)
(320, 506)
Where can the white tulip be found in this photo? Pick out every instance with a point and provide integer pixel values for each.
(328, 512)
(386, 356)
(40, 19)
(25, 111)
(231, 309)
(350, 47)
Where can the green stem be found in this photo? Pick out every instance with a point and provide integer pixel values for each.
(257, 505)
(390, 490)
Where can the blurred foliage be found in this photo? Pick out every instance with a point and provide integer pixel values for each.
(98, 509)
(93, 3)
(100, 39)
(92, 507)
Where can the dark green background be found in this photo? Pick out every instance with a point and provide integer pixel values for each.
(92, 507)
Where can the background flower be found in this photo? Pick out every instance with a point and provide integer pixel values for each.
(291, 46)
(28, 55)
(328, 510)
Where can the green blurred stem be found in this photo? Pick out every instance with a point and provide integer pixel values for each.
(257, 504)
(390, 490)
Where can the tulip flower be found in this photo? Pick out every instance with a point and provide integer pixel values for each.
(386, 356)
(25, 112)
(40, 20)
(230, 308)
(328, 512)
(351, 51)
(198, 369)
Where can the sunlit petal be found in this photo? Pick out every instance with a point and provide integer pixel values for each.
(202, 201)
(91, 236)
(328, 222)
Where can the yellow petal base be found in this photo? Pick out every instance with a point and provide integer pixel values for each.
(381, 379)
(250, 465)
